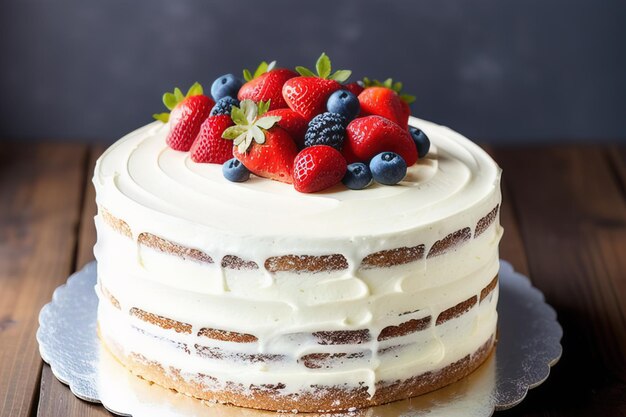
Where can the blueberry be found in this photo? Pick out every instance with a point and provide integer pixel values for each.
(358, 176)
(388, 168)
(326, 129)
(235, 171)
(421, 141)
(344, 103)
(224, 106)
(226, 85)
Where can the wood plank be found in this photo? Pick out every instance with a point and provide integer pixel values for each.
(572, 215)
(55, 398)
(40, 189)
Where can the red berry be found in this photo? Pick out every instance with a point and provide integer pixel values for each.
(272, 159)
(317, 168)
(209, 146)
(308, 95)
(292, 122)
(267, 86)
(368, 136)
(385, 102)
(185, 121)
(355, 88)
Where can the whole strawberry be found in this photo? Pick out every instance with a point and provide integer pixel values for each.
(266, 84)
(265, 149)
(187, 113)
(308, 94)
(292, 122)
(386, 99)
(209, 146)
(317, 168)
(368, 136)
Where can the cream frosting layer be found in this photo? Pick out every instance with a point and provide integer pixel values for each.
(160, 191)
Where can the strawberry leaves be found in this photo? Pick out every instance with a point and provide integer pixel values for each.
(389, 83)
(324, 70)
(171, 100)
(261, 69)
(250, 124)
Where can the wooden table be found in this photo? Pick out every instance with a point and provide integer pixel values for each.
(564, 215)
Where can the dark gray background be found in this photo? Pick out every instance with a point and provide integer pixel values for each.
(496, 70)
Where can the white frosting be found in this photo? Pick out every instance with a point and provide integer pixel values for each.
(157, 190)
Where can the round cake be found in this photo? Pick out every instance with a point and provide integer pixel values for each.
(256, 295)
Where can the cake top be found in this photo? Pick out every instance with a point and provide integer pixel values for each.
(310, 129)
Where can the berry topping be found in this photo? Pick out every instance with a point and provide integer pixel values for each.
(209, 147)
(326, 129)
(224, 105)
(264, 148)
(358, 176)
(422, 143)
(355, 88)
(344, 103)
(371, 135)
(388, 168)
(293, 123)
(317, 168)
(386, 99)
(266, 85)
(235, 171)
(309, 93)
(226, 86)
(187, 112)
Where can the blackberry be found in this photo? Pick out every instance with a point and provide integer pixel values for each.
(224, 106)
(326, 129)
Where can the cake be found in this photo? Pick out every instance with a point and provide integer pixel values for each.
(256, 294)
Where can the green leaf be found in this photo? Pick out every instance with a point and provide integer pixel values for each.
(264, 106)
(246, 75)
(267, 122)
(238, 116)
(305, 72)
(233, 132)
(250, 110)
(178, 94)
(257, 134)
(407, 98)
(388, 83)
(323, 66)
(195, 90)
(261, 69)
(397, 87)
(162, 117)
(341, 75)
(170, 101)
(270, 66)
(240, 138)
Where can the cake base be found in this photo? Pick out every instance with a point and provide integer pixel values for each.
(321, 400)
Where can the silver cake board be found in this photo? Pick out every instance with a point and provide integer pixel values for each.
(529, 343)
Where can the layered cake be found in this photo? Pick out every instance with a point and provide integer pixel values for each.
(309, 284)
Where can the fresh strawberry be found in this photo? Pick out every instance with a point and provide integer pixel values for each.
(370, 135)
(186, 116)
(386, 99)
(266, 85)
(317, 168)
(265, 149)
(308, 94)
(209, 146)
(292, 122)
(355, 88)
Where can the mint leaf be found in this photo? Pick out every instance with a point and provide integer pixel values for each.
(238, 116)
(341, 75)
(246, 75)
(233, 132)
(323, 66)
(305, 72)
